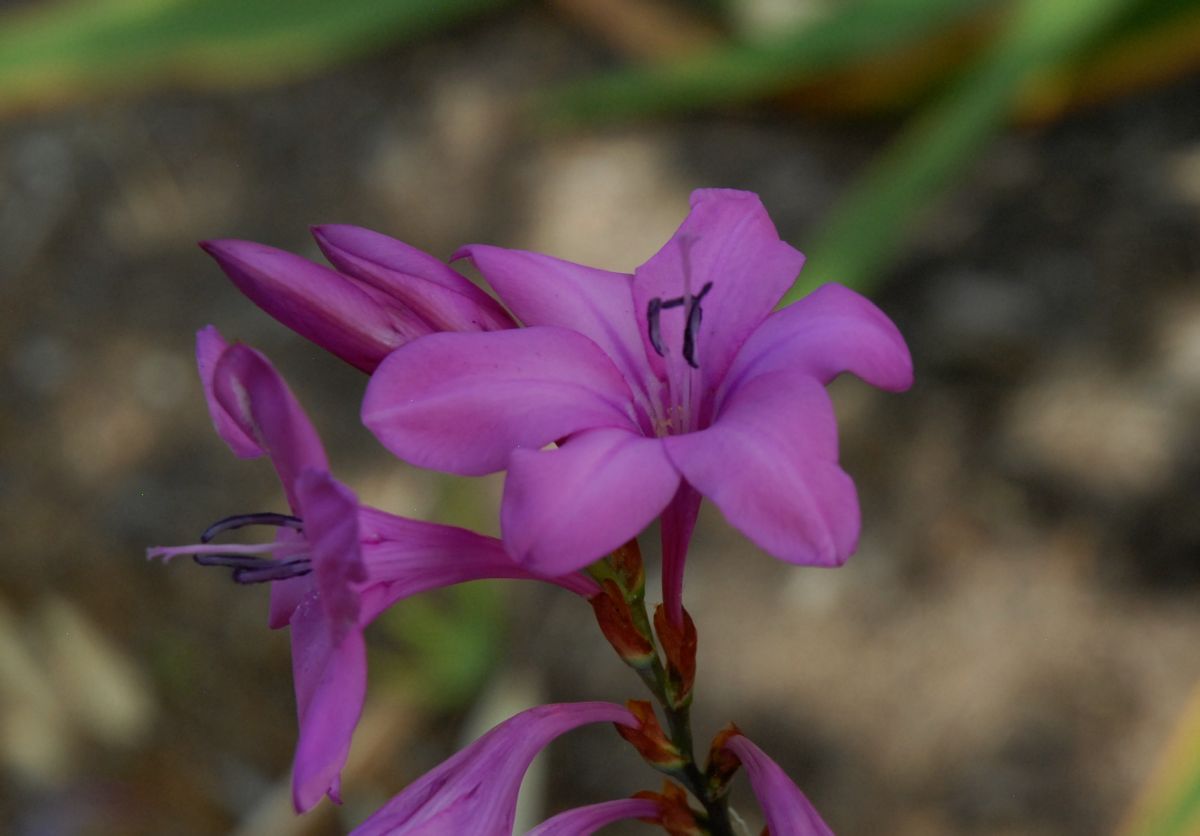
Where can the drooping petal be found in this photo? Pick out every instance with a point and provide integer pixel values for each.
(210, 345)
(462, 402)
(343, 317)
(830, 331)
(584, 821)
(729, 241)
(405, 557)
(256, 399)
(566, 508)
(331, 528)
(475, 791)
(330, 674)
(542, 290)
(769, 462)
(442, 296)
(787, 811)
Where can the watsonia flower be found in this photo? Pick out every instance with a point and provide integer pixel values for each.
(658, 387)
(335, 564)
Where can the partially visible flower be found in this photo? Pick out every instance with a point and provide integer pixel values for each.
(475, 791)
(382, 294)
(787, 811)
(335, 565)
(658, 387)
(583, 821)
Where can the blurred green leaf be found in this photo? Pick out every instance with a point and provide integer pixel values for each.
(64, 50)
(448, 643)
(740, 71)
(1170, 803)
(872, 221)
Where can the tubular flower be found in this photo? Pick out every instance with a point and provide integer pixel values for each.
(475, 791)
(334, 566)
(787, 811)
(382, 294)
(584, 821)
(658, 387)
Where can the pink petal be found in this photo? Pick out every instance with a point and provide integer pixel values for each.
(462, 402)
(432, 289)
(210, 345)
(769, 462)
(330, 675)
(678, 522)
(475, 791)
(584, 821)
(331, 528)
(830, 331)
(259, 403)
(336, 313)
(405, 557)
(286, 595)
(727, 240)
(542, 290)
(787, 811)
(565, 508)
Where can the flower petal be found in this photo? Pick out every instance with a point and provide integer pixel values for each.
(787, 811)
(331, 528)
(769, 462)
(440, 295)
(462, 402)
(830, 331)
(565, 508)
(210, 345)
(259, 403)
(405, 557)
(542, 290)
(584, 821)
(727, 239)
(335, 312)
(475, 791)
(330, 674)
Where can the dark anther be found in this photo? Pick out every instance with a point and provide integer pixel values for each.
(694, 315)
(250, 569)
(242, 520)
(652, 311)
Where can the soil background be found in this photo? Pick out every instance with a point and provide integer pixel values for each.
(1007, 653)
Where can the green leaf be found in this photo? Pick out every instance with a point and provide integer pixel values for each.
(741, 71)
(66, 50)
(874, 218)
(1170, 802)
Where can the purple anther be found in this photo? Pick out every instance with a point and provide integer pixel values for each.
(243, 520)
(276, 571)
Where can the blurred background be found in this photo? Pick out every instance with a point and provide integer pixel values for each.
(1016, 182)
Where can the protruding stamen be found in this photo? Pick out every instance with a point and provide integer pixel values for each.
(653, 309)
(249, 569)
(243, 520)
(694, 315)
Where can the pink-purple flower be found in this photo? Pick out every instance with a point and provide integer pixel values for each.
(656, 388)
(335, 564)
(475, 790)
(787, 811)
(382, 294)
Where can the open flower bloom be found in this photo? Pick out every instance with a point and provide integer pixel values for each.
(335, 565)
(475, 791)
(382, 293)
(657, 387)
(787, 811)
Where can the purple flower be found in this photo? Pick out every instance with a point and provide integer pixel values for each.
(787, 811)
(383, 293)
(475, 791)
(583, 821)
(335, 565)
(658, 387)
